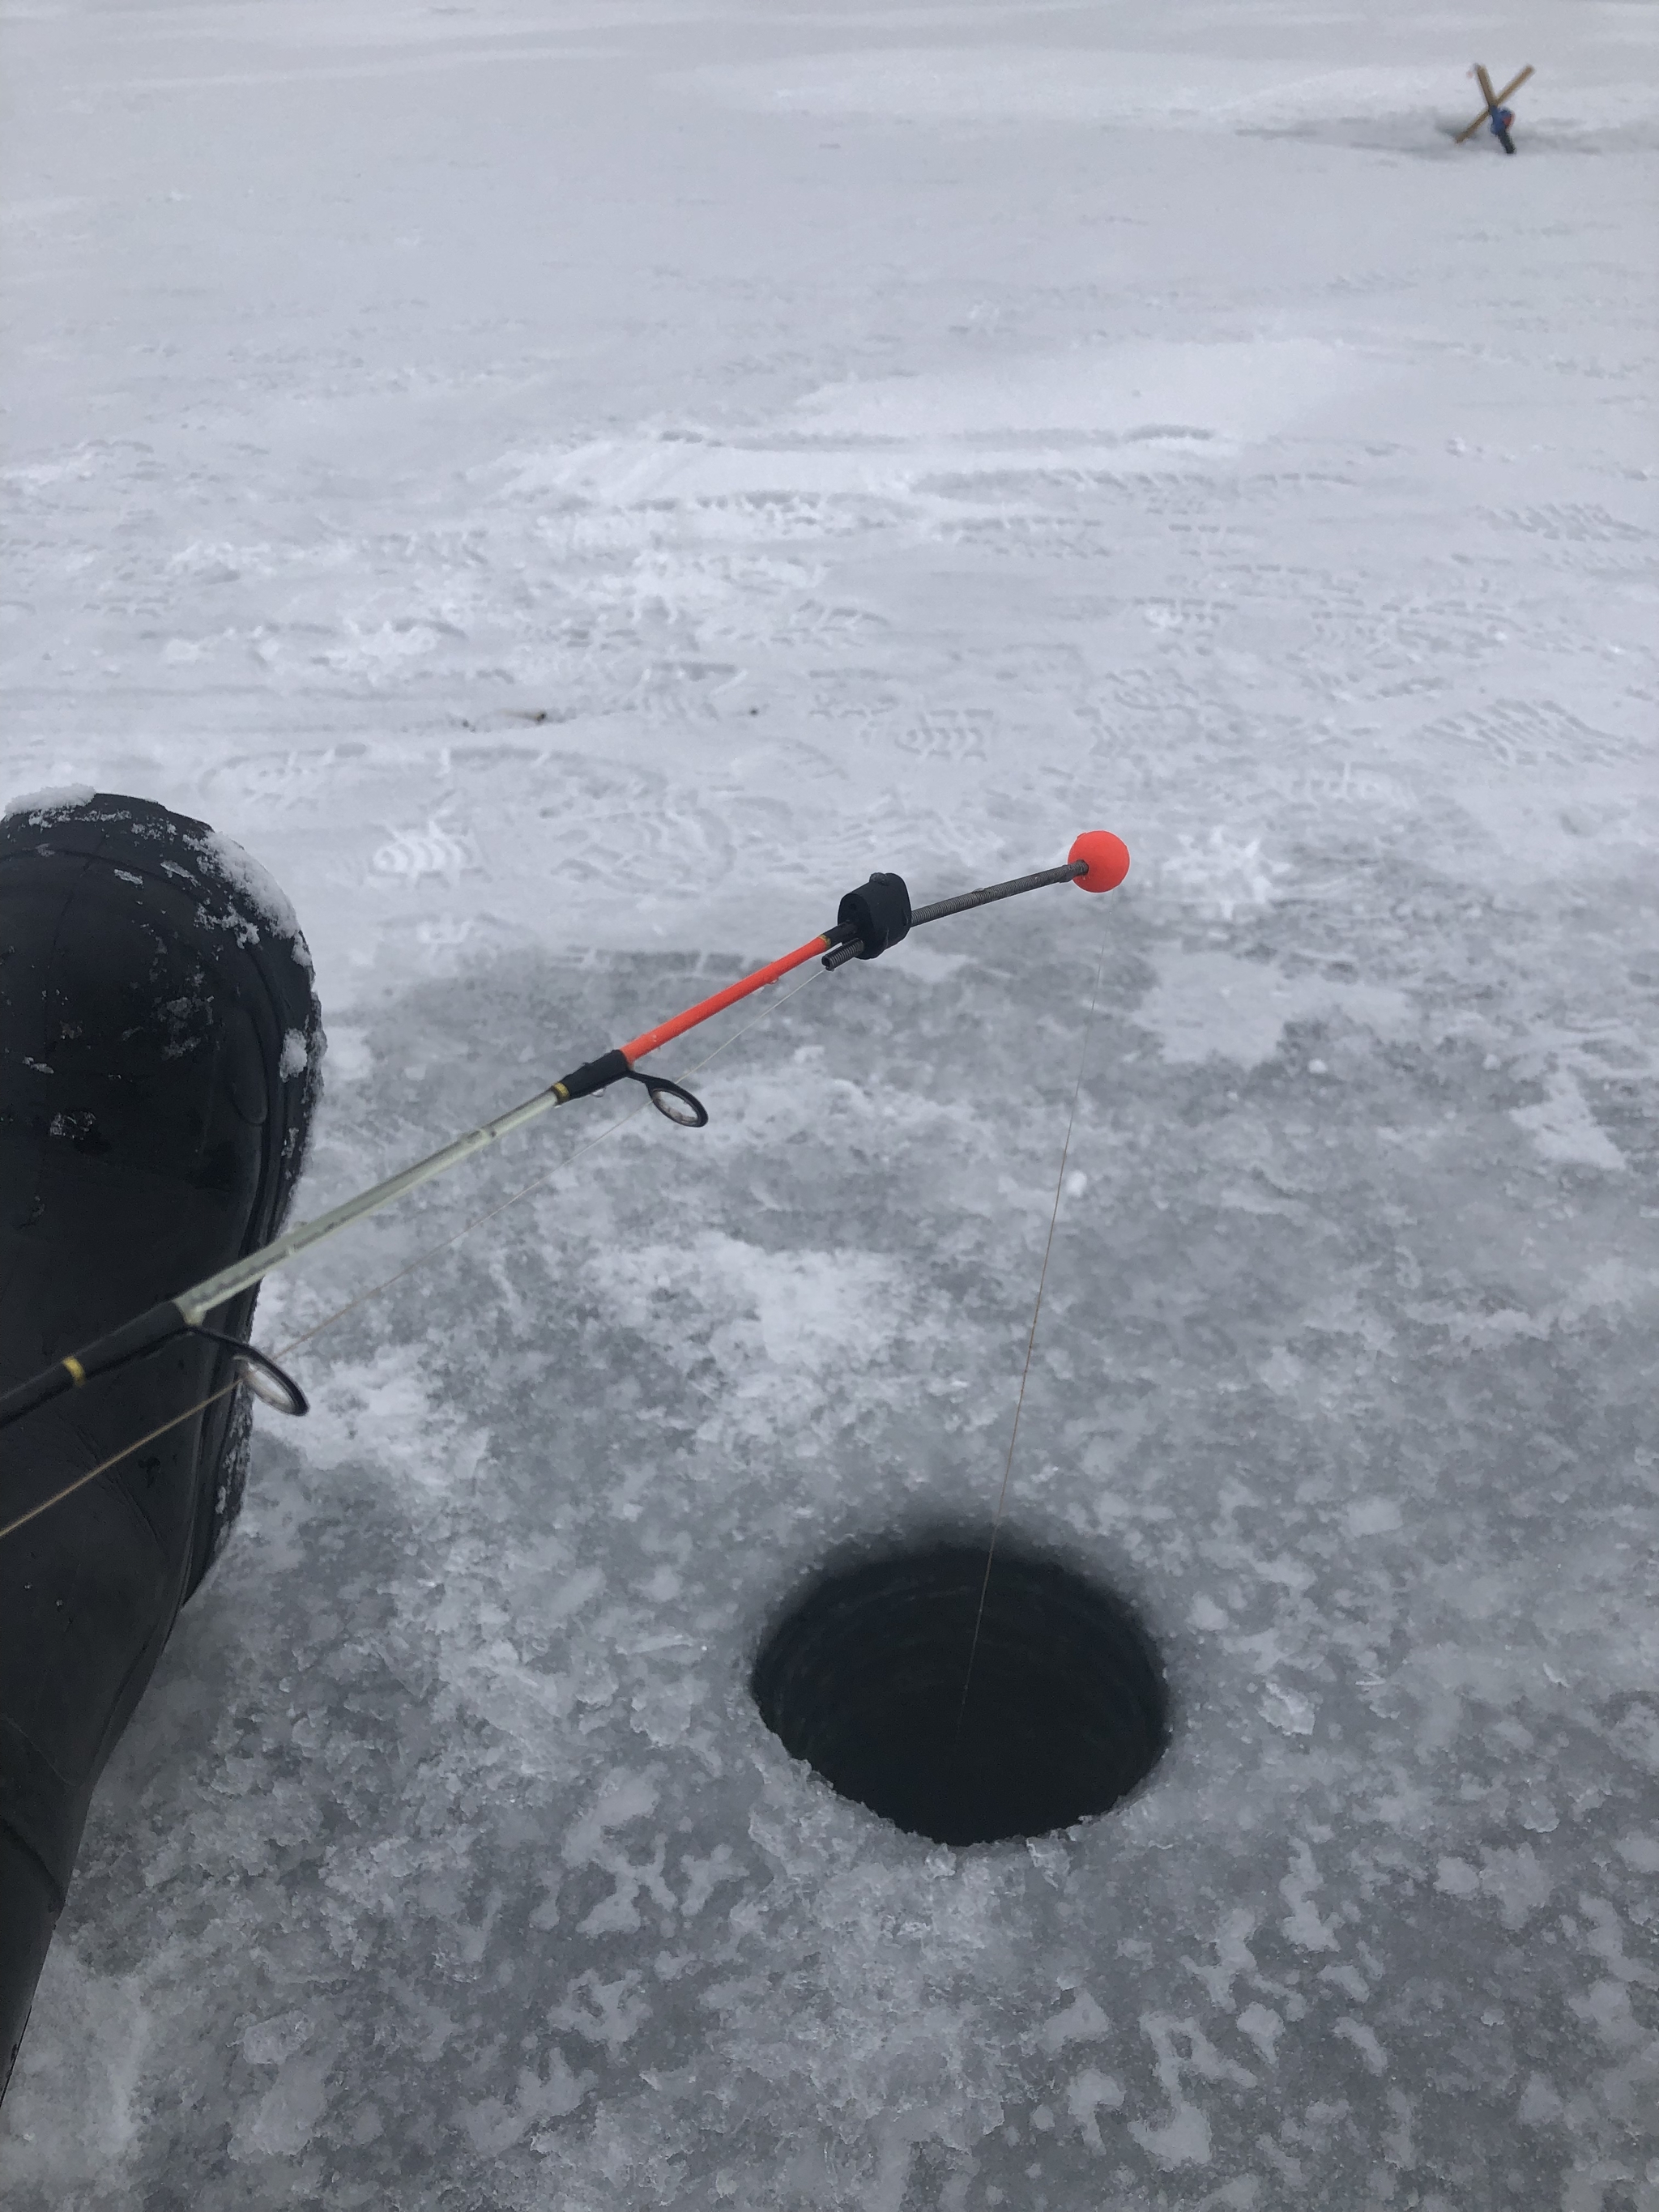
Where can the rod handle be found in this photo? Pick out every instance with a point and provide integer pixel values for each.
(129, 1341)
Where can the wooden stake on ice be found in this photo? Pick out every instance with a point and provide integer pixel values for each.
(1494, 104)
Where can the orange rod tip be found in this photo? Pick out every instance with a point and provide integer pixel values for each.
(1106, 858)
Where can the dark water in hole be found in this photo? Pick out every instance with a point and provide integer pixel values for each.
(1066, 1713)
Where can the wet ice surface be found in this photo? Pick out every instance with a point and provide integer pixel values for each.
(637, 476)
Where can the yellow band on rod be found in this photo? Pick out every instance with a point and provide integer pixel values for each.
(77, 1373)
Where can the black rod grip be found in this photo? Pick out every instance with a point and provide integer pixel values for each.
(132, 1338)
(593, 1075)
(51, 1382)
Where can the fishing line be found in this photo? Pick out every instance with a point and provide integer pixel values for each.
(1030, 1340)
(421, 1260)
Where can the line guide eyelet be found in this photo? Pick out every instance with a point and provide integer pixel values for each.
(257, 1371)
(672, 1100)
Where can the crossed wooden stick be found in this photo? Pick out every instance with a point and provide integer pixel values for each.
(1494, 103)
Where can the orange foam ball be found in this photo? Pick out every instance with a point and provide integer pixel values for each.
(1108, 860)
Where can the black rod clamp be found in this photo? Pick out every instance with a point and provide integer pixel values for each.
(870, 920)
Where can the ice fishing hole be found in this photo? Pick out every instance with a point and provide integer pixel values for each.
(1067, 1708)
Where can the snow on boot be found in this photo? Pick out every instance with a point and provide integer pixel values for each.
(160, 1044)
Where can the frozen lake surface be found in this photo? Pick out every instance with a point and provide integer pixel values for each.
(574, 490)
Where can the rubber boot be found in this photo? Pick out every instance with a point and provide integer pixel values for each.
(160, 1049)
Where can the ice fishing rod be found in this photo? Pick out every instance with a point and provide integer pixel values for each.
(870, 921)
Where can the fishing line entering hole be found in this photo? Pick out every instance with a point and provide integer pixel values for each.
(858, 1677)
(1030, 1344)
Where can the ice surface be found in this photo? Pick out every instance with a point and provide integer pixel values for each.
(572, 491)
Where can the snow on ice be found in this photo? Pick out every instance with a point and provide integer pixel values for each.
(572, 491)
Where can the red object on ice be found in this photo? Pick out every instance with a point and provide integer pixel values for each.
(1106, 857)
